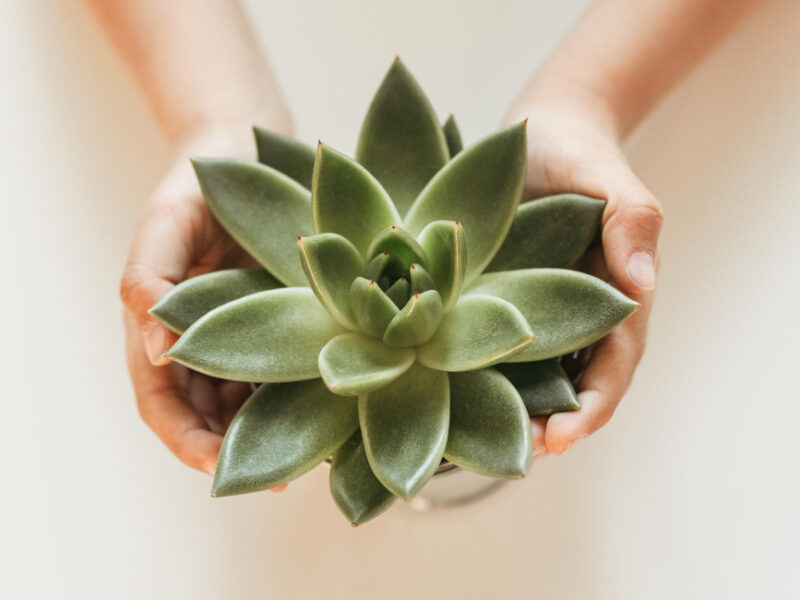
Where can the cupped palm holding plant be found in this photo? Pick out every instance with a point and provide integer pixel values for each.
(411, 309)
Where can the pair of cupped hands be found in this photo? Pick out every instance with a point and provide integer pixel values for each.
(177, 237)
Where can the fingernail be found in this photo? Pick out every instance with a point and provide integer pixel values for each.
(642, 271)
(155, 344)
(210, 467)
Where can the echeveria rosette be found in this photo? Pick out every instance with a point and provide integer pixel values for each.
(425, 310)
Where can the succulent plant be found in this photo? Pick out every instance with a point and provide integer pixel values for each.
(410, 309)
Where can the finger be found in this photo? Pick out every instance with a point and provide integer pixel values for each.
(604, 382)
(161, 396)
(161, 253)
(631, 226)
(232, 395)
(279, 488)
(538, 428)
(204, 399)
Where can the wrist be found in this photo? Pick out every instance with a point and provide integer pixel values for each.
(230, 126)
(567, 102)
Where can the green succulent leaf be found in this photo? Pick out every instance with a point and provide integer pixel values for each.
(372, 308)
(401, 141)
(268, 336)
(286, 155)
(347, 200)
(444, 243)
(417, 322)
(382, 263)
(481, 188)
(262, 209)
(490, 432)
(543, 385)
(398, 243)
(420, 280)
(477, 332)
(404, 425)
(550, 232)
(354, 487)
(568, 310)
(453, 136)
(191, 299)
(331, 263)
(399, 292)
(353, 363)
(281, 432)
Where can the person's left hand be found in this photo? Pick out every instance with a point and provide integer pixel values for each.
(569, 152)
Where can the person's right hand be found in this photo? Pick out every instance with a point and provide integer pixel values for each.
(177, 237)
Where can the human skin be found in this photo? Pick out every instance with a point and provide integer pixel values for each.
(609, 71)
(207, 82)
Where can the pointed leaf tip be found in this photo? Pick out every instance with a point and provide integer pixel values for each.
(401, 141)
(481, 188)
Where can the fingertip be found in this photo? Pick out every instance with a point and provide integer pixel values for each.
(157, 341)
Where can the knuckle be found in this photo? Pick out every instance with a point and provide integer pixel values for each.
(132, 285)
(647, 210)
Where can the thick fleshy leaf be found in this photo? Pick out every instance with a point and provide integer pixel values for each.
(191, 299)
(443, 242)
(490, 431)
(331, 263)
(268, 336)
(372, 308)
(285, 154)
(543, 385)
(420, 279)
(480, 188)
(354, 487)
(347, 200)
(354, 363)
(262, 209)
(398, 243)
(477, 332)
(401, 141)
(282, 431)
(550, 232)
(568, 310)
(417, 322)
(399, 292)
(453, 136)
(383, 264)
(404, 425)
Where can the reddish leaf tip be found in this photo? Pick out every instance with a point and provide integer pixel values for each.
(372, 282)
(394, 226)
(319, 143)
(525, 121)
(416, 296)
(413, 266)
(533, 337)
(458, 224)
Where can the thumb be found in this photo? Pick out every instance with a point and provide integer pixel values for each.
(140, 289)
(631, 226)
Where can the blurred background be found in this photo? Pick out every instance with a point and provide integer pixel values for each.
(691, 491)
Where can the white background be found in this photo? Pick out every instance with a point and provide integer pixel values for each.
(693, 489)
